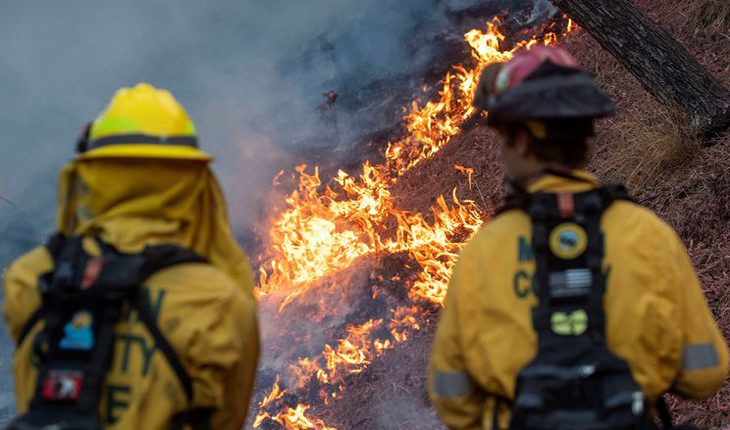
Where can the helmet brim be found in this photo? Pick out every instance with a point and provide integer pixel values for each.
(136, 150)
(555, 97)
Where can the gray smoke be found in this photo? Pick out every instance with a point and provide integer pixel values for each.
(251, 75)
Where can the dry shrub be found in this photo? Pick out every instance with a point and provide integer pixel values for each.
(702, 26)
(691, 20)
(651, 145)
(711, 18)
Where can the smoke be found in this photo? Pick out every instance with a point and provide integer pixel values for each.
(524, 12)
(234, 65)
(251, 75)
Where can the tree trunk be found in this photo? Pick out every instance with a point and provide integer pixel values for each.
(660, 63)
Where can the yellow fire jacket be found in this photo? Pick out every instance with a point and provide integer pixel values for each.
(657, 318)
(206, 311)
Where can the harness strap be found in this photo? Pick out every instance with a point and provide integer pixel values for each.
(54, 245)
(69, 261)
(593, 206)
(519, 198)
(148, 319)
(568, 249)
(199, 419)
(160, 257)
(495, 414)
(498, 401)
(157, 258)
(28, 327)
(538, 211)
(664, 415)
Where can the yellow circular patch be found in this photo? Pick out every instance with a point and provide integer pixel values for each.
(82, 319)
(568, 241)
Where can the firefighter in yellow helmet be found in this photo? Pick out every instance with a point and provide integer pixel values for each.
(143, 284)
(574, 307)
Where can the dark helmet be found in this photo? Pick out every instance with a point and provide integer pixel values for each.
(543, 84)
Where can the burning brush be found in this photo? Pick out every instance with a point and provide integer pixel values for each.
(345, 247)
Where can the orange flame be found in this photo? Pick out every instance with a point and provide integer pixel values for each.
(468, 171)
(275, 394)
(324, 229)
(294, 419)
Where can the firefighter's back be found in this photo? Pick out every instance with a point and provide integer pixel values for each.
(207, 319)
(656, 316)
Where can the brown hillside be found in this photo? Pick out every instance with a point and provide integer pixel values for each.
(644, 146)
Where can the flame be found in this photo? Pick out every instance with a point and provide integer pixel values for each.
(325, 228)
(468, 171)
(275, 394)
(294, 419)
(354, 352)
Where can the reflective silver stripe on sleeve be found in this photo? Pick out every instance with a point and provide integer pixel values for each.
(452, 384)
(699, 356)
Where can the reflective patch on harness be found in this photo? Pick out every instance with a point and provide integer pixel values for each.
(566, 205)
(569, 324)
(78, 333)
(62, 385)
(452, 384)
(700, 356)
(568, 241)
(570, 283)
(92, 272)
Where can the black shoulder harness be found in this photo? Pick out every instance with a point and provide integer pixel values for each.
(83, 299)
(574, 381)
(522, 200)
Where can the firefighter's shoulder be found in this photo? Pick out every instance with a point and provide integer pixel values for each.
(35, 261)
(21, 297)
(627, 219)
(502, 244)
(201, 308)
(202, 280)
(503, 226)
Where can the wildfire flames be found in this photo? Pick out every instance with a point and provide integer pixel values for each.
(324, 230)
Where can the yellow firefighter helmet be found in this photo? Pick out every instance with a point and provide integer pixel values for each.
(142, 122)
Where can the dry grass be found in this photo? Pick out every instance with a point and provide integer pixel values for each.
(711, 19)
(702, 26)
(652, 144)
(646, 140)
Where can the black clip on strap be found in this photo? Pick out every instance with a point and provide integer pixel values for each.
(664, 415)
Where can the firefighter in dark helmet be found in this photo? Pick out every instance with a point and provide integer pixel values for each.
(574, 307)
(139, 313)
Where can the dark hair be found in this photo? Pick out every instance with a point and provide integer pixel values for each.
(565, 143)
